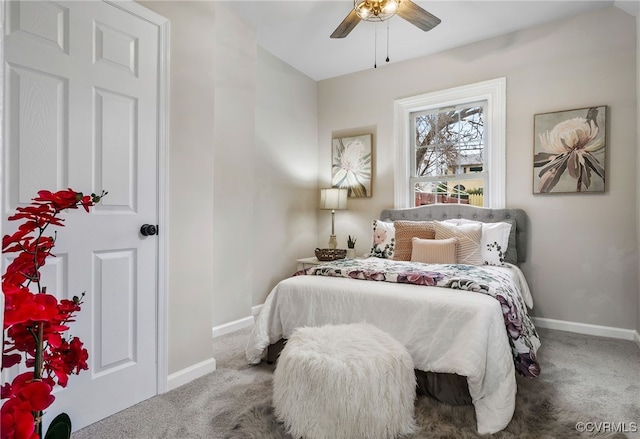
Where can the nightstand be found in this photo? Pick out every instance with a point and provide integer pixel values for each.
(307, 262)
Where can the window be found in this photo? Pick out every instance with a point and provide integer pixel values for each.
(446, 144)
(451, 146)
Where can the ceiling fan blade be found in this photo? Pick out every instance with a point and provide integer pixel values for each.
(417, 16)
(347, 25)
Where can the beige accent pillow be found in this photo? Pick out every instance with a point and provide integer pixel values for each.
(405, 231)
(469, 237)
(434, 251)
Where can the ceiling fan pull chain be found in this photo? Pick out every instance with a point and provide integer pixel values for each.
(375, 46)
(387, 40)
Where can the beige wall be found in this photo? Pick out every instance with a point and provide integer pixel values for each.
(243, 173)
(234, 165)
(583, 256)
(286, 172)
(191, 252)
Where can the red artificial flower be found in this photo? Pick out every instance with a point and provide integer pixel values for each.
(43, 215)
(86, 202)
(34, 322)
(17, 299)
(61, 200)
(55, 340)
(66, 359)
(17, 420)
(25, 396)
(47, 308)
(25, 267)
(41, 308)
(37, 393)
(20, 270)
(16, 238)
(77, 356)
(21, 339)
(5, 391)
(24, 307)
(10, 360)
(67, 307)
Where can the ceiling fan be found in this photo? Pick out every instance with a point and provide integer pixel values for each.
(381, 10)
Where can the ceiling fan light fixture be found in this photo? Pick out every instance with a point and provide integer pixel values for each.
(363, 11)
(375, 10)
(391, 7)
(383, 10)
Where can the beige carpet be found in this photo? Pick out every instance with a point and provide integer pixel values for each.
(598, 379)
(536, 416)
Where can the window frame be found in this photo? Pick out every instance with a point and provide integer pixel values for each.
(494, 93)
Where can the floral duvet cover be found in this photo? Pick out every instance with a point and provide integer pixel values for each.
(492, 281)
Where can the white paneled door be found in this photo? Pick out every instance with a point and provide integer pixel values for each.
(81, 100)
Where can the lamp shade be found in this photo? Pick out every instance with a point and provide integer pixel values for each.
(333, 198)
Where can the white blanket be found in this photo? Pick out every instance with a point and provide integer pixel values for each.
(444, 330)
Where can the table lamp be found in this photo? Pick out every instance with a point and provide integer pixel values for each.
(335, 199)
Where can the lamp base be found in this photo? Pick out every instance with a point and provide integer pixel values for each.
(333, 243)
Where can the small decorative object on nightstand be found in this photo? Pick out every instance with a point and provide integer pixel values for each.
(330, 254)
(351, 247)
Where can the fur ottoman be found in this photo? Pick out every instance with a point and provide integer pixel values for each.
(344, 381)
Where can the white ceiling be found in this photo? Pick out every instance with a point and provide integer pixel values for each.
(297, 31)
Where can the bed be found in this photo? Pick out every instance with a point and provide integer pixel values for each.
(455, 319)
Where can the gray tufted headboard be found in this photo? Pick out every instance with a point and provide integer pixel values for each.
(448, 211)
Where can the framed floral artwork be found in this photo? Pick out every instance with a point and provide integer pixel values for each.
(570, 151)
(351, 164)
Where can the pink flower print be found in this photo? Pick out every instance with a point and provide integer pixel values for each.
(379, 236)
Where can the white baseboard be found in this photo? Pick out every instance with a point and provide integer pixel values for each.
(587, 329)
(197, 370)
(230, 327)
(236, 325)
(189, 374)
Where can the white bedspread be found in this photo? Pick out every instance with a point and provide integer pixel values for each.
(444, 330)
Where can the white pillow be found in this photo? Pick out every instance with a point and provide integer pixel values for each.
(469, 237)
(384, 240)
(494, 242)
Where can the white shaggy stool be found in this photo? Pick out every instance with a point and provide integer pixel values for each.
(344, 382)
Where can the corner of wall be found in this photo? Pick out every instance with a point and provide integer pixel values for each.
(285, 194)
(638, 167)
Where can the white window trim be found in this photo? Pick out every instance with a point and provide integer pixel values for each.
(494, 91)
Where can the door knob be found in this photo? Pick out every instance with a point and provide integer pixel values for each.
(149, 230)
